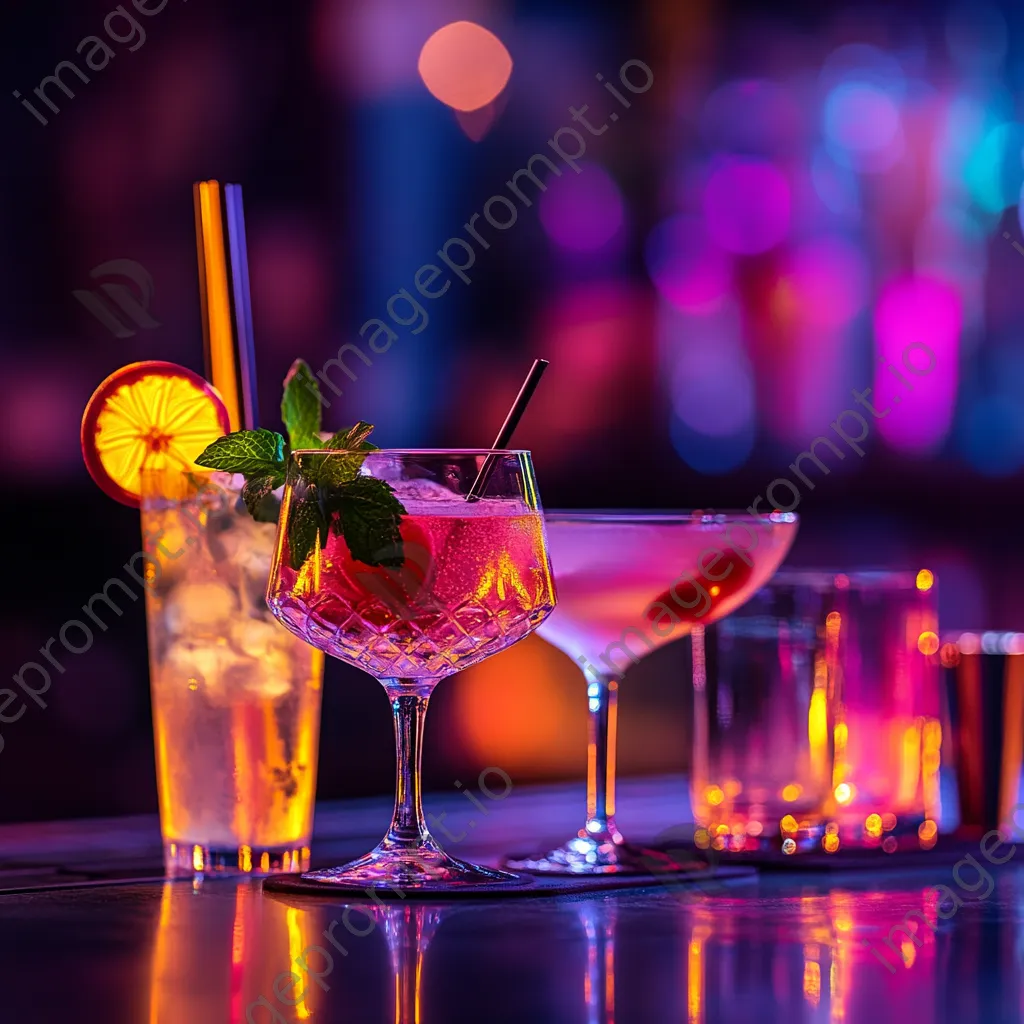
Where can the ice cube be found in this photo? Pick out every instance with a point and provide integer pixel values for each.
(203, 665)
(424, 490)
(270, 675)
(202, 609)
(257, 637)
(268, 670)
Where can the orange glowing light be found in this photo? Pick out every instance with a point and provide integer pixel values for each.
(791, 792)
(925, 579)
(928, 642)
(464, 66)
(197, 858)
(873, 825)
(525, 728)
(715, 590)
(714, 795)
(701, 839)
(788, 824)
(927, 830)
(888, 822)
(830, 843)
(844, 792)
(732, 788)
(949, 655)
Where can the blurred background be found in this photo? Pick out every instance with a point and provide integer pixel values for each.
(802, 190)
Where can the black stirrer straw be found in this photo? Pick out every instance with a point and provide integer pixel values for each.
(515, 414)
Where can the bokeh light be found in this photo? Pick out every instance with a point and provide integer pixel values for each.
(835, 184)
(994, 170)
(915, 315)
(747, 205)
(830, 278)
(751, 116)
(713, 389)
(863, 125)
(686, 267)
(582, 214)
(464, 66)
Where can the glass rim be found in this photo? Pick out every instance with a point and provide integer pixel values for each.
(639, 516)
(412, 451)
(849, 579)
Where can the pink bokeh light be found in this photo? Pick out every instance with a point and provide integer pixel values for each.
(747, 205)
(582, 214)
(917, 324)
(687, 269)
(830, 278)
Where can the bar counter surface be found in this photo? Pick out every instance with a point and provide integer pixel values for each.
(90, 932)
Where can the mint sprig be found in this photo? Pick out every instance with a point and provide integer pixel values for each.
(361, 509)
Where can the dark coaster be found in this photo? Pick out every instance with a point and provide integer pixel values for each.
(947, 850)
(533, 886)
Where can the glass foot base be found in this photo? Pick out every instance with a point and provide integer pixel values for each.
(589, 855)
(192, 860)
(396, 867)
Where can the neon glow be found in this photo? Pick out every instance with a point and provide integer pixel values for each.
(917, 325)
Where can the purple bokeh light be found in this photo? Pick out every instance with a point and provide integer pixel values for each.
(747, 205)
(686, 267)
(585, 213)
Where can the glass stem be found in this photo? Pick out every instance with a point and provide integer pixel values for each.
(409, 698)
(602, 695)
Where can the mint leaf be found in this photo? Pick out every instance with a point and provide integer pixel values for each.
(301, 407)
(307, 526)
(369, 517)
(353, 439)
(259, 500)
(334, 470)
(252, 452)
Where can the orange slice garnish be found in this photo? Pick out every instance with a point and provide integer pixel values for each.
(148, 415)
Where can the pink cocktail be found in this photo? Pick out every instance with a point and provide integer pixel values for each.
(406, 565)
(473, 582)
(628, 584)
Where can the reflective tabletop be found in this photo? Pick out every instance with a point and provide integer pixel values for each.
(796, 946)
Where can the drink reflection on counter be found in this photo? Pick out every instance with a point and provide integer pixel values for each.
(214, 964)
(822, 967)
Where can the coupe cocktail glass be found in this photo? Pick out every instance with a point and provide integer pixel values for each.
(474, 579)
(236, 698)
(642, 580)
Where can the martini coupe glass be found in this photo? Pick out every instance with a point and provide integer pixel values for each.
(468, 577)
(629, 583)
